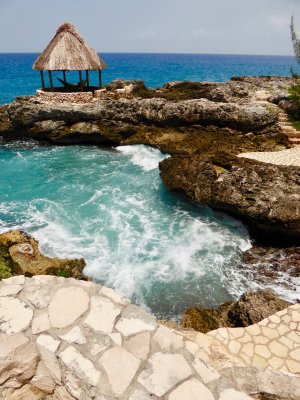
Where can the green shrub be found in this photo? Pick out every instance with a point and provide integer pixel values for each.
(295, 97)
(5, 270)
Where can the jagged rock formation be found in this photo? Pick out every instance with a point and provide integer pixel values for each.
(20, 255)
(250, 309)
(264, 196)
(179, 118)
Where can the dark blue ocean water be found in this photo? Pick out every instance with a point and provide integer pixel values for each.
(110, 206)
(17, 77)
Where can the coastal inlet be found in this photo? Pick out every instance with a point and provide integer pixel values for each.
(110, 207)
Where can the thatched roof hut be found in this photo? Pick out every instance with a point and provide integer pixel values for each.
(68, 51)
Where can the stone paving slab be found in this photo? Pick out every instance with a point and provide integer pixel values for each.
(64, 339)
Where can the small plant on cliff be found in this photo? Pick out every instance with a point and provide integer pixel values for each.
(295, 40)
(295, 89)
(5, 264)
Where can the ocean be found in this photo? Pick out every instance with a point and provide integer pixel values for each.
(18, 79)
(109, 205)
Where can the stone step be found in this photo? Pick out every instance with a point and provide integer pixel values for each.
(295, 140)
(289, 129)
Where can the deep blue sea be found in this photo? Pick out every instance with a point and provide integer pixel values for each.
(17, 77)
(110, 207)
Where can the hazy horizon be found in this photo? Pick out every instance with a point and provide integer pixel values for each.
(160, 52)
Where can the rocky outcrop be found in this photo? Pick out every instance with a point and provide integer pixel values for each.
(180, 110)
(250, 309)
(20, 255)
(264, 196)
(178, 118)
(270, 263)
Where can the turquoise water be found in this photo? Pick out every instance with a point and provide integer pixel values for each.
(17, 77)
(110, 207)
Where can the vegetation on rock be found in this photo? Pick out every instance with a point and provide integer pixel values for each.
(20, 255)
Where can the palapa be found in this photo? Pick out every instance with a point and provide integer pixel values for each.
(68, 51)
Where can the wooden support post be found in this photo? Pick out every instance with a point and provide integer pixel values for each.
(80, 81)
(100, 78)
(51, 81)
(42, 79)
(87, 79)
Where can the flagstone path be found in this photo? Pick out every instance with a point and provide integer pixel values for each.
(64, 339)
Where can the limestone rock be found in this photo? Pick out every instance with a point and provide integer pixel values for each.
(164, 372)
(42, 380)
(121, 367)
(76, 387)
(135, 320)
(67, 305)
(60, 393)
(51, 363)
(192, 390)
(48, 342)
(75, 335)
(102, 315)
(139, 345)
(18, 358)
(15, 315)
(80, 365)
(167, 340)
(231, 394)
(10, 290)
(40, 322)
(38, 296)
(26, 392)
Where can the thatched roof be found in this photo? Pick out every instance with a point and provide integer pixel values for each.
(68, 51)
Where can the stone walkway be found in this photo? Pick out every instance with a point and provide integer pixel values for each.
(283, 157)
(66, 339)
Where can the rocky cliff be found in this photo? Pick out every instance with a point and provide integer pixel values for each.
(265, 196)
(181, 117)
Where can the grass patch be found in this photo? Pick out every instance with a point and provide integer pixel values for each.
(296, 125)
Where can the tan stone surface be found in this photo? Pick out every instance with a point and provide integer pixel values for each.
(167, 340)
(164, 372)
(67, 305)
(192, 390)
(38, 296)
(48, 342)
(102, 315)
(40, 322)
(10, 290)
(105, 348)
(51, 363)
(82, 367)
(120, 367)
(139, 345)
(75, 335)
(135, 320)
(42, 379)
(15, 316)
(18, 358)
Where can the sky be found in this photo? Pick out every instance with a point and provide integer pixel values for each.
(159, 26)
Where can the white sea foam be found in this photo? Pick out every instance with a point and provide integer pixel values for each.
(143, 156)
(158, 250)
